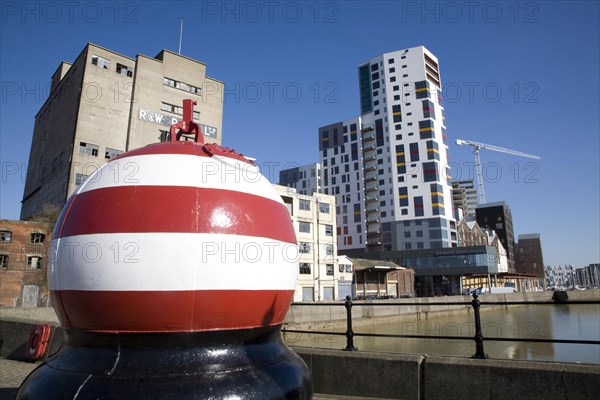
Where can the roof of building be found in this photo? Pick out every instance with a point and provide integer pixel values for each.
(529, 236)
(494, 204)
(360, 264)
(342, 259)
(471, 224)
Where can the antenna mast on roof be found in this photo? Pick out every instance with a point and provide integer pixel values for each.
(180, 34)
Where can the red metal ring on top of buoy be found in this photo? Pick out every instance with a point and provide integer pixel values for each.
(38, 341)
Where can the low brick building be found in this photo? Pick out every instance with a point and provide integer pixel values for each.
(382, 279)
(23, 263)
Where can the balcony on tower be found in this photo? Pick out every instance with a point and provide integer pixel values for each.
(372, 207)
(367, 127)
(373, 229)
(368, 136)
(373, 240)
(368, 146)
(373, 196)
(371, 176)
(371, 155)
(372, 217)
(370, 166)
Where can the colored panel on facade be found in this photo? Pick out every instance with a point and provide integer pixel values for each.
(418, 205)
(428, 109)
(422, 89)
(426, 129)
(433, 152)
(430, 172)
(400, 159)
(397, 113)
(379, 132)
(437, 199)
(331, 136)
(366, 99)
(414, 152)
(403, 196)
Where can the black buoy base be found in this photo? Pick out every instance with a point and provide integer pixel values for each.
(233, 365)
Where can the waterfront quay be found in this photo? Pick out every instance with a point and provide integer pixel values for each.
(536, 330)
(339, 374)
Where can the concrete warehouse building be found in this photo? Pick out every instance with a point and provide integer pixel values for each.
(313, 218)
(105, 103)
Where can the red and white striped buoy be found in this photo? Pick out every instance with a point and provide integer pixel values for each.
(171, 269)
(172, 237)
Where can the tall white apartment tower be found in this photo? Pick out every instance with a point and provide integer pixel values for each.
(388, 168)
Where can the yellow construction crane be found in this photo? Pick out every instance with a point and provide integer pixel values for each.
(478, 147)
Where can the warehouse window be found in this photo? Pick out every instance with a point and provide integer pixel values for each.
(37, 237)
(5, 236)
(79, 178)
(100, 62)
(109, 154)
(170, 82)
(34, 262)
(329, 249)
(171, 108)
(124, 70)
(305, 268)
(3, 261)
(304, 205)
(304, 227)
(329, 269)
(88, 148)
(304, 247)
(324, 208)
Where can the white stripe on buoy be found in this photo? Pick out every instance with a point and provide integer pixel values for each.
(181, 170)
(171, 261)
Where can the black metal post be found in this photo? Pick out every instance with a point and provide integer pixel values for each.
(349, 332)
(479, 353)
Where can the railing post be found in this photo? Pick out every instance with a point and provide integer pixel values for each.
(349, 332)
(479, 353)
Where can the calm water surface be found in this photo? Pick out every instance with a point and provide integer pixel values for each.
(580, 322)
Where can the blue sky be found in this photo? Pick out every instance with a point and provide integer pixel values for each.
(522, 75)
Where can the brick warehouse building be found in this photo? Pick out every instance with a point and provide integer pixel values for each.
(23, 263)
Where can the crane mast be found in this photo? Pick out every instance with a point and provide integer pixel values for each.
(477, 148)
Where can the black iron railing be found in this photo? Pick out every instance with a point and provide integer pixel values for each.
(475, 304)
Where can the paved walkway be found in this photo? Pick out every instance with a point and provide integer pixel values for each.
(12, 374)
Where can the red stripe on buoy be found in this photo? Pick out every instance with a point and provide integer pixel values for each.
(173, 311)
(177, 209)
(57, 231)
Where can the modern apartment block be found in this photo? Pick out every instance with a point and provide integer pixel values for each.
(314, 221)
(343, 176)
(528, 255)
(588, 276)
(464, 198)
(105, 103)
(305, 179)
(498, 217)
(560, 276)
(388, 167)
